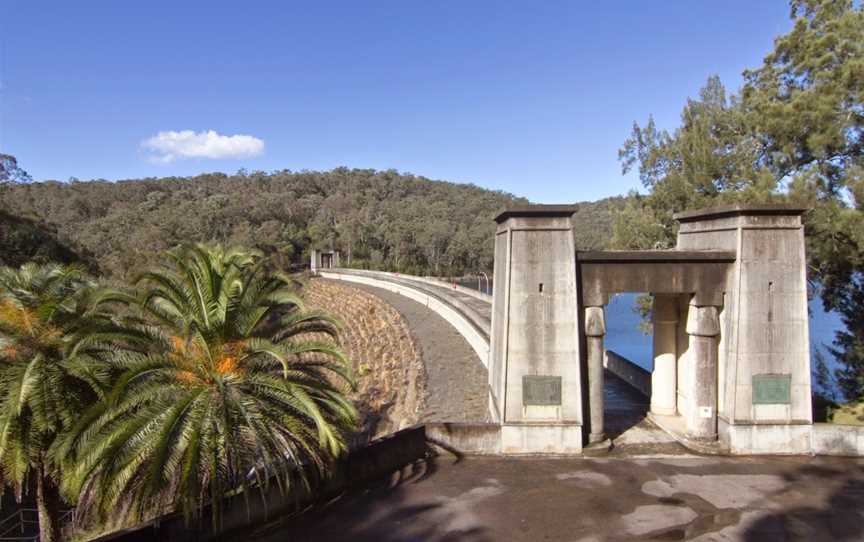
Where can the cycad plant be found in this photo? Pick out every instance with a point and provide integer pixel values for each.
(229, 393)
(48, 374)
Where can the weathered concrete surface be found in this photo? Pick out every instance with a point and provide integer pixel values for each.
(455, 378)
(659, 272)
(835, 439)
(536, 332)
(496, 499)
(764, 323)
(664, 378)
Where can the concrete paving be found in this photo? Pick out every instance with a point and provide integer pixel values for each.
(624, 418)
(581, 500)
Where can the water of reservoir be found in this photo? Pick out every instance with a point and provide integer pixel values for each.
(623, 334)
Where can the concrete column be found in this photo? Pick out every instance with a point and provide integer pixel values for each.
(703, 328)
(682, 402)
(595, 329)
(664, 378)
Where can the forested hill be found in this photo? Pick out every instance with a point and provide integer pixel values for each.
(379, 219)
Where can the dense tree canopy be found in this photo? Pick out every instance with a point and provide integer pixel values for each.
(794, 132)
(379, 219)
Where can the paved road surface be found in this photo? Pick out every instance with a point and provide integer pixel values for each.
(581, 500)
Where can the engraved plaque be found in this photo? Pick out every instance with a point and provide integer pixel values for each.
(772, 389)
(541, 390)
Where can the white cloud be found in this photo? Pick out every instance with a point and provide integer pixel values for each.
(166, 147)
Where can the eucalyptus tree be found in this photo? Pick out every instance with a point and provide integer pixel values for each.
(232, 391)
(53, 325)
(795, 132)
(11, 172)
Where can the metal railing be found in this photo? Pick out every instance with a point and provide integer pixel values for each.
(21, 524)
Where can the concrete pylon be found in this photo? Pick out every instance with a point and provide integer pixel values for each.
(535, 370)
(764, 398)
(664, 378)
(595, 330)
(703, 328)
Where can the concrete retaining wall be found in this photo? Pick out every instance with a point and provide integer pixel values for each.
(766, 439)
(629, 372)
(378, 459)
(463, 318)
(818, 439)
(795, 439)
(833, 439)
(522, 439)
(466, 438)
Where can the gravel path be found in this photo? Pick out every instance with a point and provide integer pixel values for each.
(456, 379)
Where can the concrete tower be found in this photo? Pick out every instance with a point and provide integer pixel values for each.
(535, 378)
(763, 381)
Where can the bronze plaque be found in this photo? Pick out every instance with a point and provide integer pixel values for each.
(541, 390)
(772, 389)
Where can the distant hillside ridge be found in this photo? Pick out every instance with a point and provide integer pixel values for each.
(378, 219)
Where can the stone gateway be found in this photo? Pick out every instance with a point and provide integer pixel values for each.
(731, 349)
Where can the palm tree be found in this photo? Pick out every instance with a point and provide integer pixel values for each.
(48, 374)
(230, 392)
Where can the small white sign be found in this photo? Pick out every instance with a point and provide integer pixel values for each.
(705, 411)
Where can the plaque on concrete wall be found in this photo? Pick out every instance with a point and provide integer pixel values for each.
(541, 390)
(772, 389)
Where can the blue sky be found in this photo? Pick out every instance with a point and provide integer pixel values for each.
(534, 98)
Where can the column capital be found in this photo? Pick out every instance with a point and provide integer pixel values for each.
(703, 321)
(595, 322)
(664, 309)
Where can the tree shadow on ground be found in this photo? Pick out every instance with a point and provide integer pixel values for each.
(380, 512)
(840, 519)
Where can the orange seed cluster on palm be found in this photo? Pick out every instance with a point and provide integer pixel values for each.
(17, 316)
(189, 355)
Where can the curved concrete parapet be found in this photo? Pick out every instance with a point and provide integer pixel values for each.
(451, 286)
(466, 317)
(634, 375)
